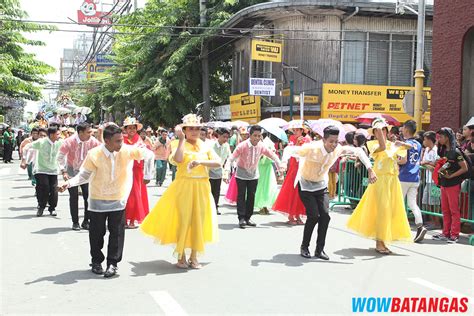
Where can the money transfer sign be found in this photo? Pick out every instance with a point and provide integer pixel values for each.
(344, 102)
(262, 86)
(266, 51)
(244, 106)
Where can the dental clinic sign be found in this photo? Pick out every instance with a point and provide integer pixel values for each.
(88, 15)
(262, 86)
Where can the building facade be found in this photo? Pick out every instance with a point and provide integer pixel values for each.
(453, 56)
(353, 42)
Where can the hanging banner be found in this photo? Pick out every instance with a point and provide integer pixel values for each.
(262, 87)
(344, 102)
(244, 106)
(266, 51)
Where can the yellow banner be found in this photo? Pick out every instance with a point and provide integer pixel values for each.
(344, 102)
(266, 51)
(243, 106)
(308, 99)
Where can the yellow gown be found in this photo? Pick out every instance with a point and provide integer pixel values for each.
(381, 213)
(185, 215)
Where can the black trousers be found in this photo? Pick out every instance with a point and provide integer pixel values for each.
(116, 226)
(317, 212)
(7, 152)
(74, 202)
(245, 197)
(216, 190)
(46, 190)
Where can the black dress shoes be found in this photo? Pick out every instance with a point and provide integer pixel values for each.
(40, 211)
(242, 223)
(76, 226)
(52, 212)
(305, 252)
(321, 255)
(250, 223)
(85, 225)
(97, 268)
(110, 272)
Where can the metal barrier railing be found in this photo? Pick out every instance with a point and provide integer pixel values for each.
(353, 180)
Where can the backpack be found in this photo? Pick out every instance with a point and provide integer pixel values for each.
(470, 171)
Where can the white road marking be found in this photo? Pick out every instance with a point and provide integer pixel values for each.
(440, 289)
(168, 304)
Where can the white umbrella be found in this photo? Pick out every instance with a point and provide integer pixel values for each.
(62, 111)
(84, 110)
(274, 130)
(217, 124)
(274, 121)
(294, 124)
(239, 124)
(318, 127)
(363, 132)
(470, 122)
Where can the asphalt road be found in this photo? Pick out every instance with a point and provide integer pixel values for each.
(44, 267)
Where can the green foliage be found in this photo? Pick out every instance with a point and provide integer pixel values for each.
(159, 68)
(20, 73)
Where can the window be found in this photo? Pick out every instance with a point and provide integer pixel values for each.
(354, 57)
(261, 69)
(237, 67)
(385, 59)
(401, 68)
(377, 61)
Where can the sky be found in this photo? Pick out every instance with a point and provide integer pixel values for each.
(60, 11)
(57, 11)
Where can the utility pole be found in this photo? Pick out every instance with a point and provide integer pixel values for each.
(206, 107)
(420, 53)
(419, 72)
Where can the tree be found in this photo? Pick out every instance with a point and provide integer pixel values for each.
(21, 74)
(158, 68)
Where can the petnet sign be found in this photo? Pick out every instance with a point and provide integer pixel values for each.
(88, 15)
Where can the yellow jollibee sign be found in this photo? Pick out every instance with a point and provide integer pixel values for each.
(266, 51)
(344, 102)
(244, 107)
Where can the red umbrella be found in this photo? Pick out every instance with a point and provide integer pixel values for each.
(367, 118)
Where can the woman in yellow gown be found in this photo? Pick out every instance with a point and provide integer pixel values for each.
(185, 215)
(381, 213)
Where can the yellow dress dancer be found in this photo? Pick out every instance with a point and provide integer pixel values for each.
(185, 215)
(381, 213)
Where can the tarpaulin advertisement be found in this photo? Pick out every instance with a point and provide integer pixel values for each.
(88, 15)
(344, 102)
(245, 107)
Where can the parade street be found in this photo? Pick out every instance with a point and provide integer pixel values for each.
(45, 266)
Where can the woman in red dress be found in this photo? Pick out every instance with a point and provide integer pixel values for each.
(288, 200)
(137, 205)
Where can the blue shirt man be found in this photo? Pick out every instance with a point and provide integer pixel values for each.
(409, 176)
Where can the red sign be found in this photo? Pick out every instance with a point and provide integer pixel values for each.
(88, 15)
